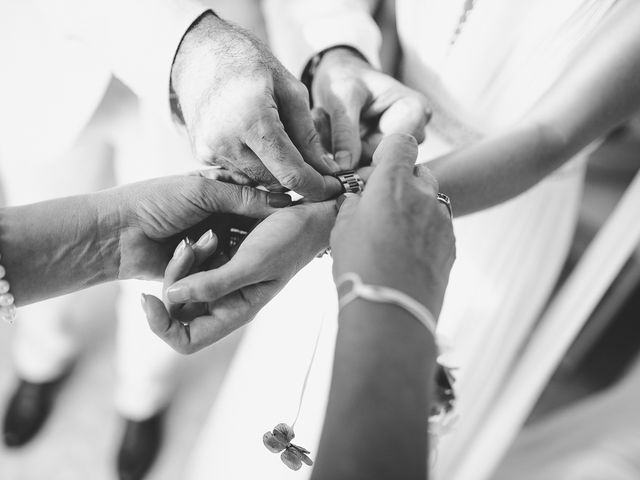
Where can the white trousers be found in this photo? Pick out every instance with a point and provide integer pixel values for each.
(122, 143)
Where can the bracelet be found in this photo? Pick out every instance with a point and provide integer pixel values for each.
(7, 307)
(380, 294)
(442, 409)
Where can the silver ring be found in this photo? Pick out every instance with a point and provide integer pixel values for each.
(446, 201)
(351, 181)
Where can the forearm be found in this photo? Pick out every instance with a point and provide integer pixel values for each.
(498, 168)
(57, 247)
(376, 423)
(599, 90)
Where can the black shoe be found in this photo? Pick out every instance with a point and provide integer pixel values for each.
(28, 409)
(139, 448)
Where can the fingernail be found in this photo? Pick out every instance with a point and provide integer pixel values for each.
(343, 158)
(204, 240)
(143, 302)
(178, 293)
(180, 248)
(279, 200)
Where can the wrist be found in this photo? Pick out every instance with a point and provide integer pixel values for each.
(424, 286)
(197, 44)
(325, 59)
(111, 212)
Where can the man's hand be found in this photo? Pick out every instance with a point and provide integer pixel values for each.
(363, 105)
(397, 234)
(150, 217)
(244, 111)
(214, 303)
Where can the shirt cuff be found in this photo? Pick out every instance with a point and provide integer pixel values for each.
(297, 36)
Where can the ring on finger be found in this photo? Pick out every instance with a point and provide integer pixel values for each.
(446, 201)
(351, 181)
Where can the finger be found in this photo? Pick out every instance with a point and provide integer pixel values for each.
(212, 285)
(322, 123)
(369, 145)
(229, 313)
(222, 174)
(344, 110)
(365, 173)
(347, 208)
(426, 180)
(394, 160)
(268, 140)
(406, 115)
(220, 197)
(169, 330)
(299, 124)
(204, 248)
(180, 263)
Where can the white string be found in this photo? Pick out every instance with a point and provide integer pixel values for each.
(309, 367)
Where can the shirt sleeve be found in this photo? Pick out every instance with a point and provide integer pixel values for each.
(137, 40)
(298, 29)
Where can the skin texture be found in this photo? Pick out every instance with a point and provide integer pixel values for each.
(59, 246)
(244, 111)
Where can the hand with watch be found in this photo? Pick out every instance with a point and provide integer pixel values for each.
(359, 105)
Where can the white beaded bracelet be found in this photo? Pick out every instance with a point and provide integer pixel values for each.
(7, 307)
(380, 294)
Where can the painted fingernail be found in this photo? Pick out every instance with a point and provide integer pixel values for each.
(180, 248)
(205, 239)
(279, 200)
(178, 293)
(343, 158)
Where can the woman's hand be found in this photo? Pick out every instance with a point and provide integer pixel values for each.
(151, 216)
(215, 302)
(396, 234)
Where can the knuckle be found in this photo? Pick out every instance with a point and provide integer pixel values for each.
(248, 195)
(312, 137)
(292, 179)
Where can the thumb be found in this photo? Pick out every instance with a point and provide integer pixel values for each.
(219, 197)
(348, 204)
(395, 157)
(345, 129)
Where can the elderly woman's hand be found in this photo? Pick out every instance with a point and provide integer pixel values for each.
(152, 216)
(213, 302)
(397, 234)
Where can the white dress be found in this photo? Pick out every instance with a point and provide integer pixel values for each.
(508, 54)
